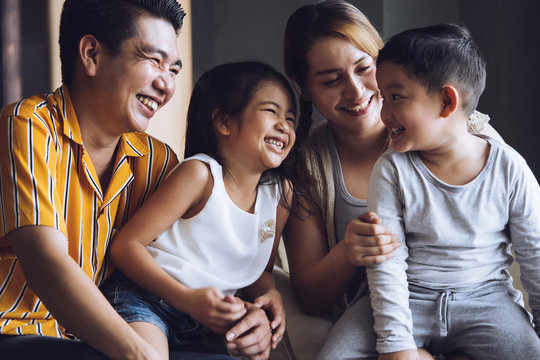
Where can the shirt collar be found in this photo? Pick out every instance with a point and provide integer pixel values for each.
(132, 144)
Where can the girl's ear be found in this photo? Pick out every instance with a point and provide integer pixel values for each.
(450, 97)
(90, 51)
(221, 122)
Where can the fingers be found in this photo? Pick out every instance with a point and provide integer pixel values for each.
(251, 336)
(368, 242)
(230, 310)
(273, 306)
(369, 217)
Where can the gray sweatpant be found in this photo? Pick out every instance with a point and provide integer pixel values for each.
(486, 324)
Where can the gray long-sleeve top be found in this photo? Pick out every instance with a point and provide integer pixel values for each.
(455, 237)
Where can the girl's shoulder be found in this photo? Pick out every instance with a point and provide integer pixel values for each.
(194, 170)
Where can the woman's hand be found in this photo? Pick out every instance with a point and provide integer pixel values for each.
(368, 242)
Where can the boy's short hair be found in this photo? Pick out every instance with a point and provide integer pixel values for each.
(440, 55)
(110, 22)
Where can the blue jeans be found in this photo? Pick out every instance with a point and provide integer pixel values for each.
(186, 337)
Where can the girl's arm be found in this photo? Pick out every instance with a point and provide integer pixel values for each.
(184, 192)
(319, 276)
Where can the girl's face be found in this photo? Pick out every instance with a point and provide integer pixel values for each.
(263, 133)
(341, 84)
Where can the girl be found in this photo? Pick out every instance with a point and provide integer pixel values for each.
(213, 226)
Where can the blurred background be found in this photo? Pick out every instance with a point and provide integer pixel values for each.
(218, 31)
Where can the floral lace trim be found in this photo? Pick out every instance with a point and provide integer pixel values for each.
(476, 122)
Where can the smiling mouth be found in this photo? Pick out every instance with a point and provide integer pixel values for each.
(149, 103)
(359, 107)
(276, 143)
(397, 131)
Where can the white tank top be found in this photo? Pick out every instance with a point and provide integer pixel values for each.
(223, 246)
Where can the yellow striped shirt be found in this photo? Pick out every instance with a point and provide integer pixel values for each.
(47, 178)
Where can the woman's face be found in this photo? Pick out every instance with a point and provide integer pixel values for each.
(341, 84)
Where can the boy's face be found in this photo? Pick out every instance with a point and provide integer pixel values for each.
(141, 79)
(409, 112)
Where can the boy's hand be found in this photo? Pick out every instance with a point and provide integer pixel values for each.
(215, 311)
(411, 354)
(272, 303)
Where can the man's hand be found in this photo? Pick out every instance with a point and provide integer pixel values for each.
(251, 337)
(272, 303)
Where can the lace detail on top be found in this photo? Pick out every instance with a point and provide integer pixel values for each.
(476, 122)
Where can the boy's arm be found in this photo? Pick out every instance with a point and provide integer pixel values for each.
(388, 281)
(72, 297)
(524, 228)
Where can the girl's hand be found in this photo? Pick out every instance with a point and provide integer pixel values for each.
(367, 242)
(411, 354)
(272, 304)
(215, 311)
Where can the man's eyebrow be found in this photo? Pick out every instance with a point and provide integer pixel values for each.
(163, 53)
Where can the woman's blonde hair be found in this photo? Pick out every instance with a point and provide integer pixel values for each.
(327, 18)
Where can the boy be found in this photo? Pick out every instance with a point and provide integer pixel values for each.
(458, 201)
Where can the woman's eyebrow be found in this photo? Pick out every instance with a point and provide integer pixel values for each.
(329, 71)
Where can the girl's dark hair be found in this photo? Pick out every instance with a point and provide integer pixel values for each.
(227, 89)
(110, 21)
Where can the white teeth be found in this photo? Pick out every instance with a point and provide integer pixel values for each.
(276, 143)
(362, 106)
(149, 103)
(396, 131)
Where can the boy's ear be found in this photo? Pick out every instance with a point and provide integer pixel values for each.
(90, 51)
(450, 98)
(221, 122)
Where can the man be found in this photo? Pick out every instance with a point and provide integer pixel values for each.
(74, 166)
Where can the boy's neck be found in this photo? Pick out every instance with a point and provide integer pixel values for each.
(459, 160)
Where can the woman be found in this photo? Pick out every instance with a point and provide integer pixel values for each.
(329, 53)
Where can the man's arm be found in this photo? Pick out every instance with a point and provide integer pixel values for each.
(72, 297)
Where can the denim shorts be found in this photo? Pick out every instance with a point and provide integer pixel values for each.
(136, 304)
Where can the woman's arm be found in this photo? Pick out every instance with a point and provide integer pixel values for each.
(320, 276)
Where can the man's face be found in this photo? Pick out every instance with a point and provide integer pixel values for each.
(141, 78)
